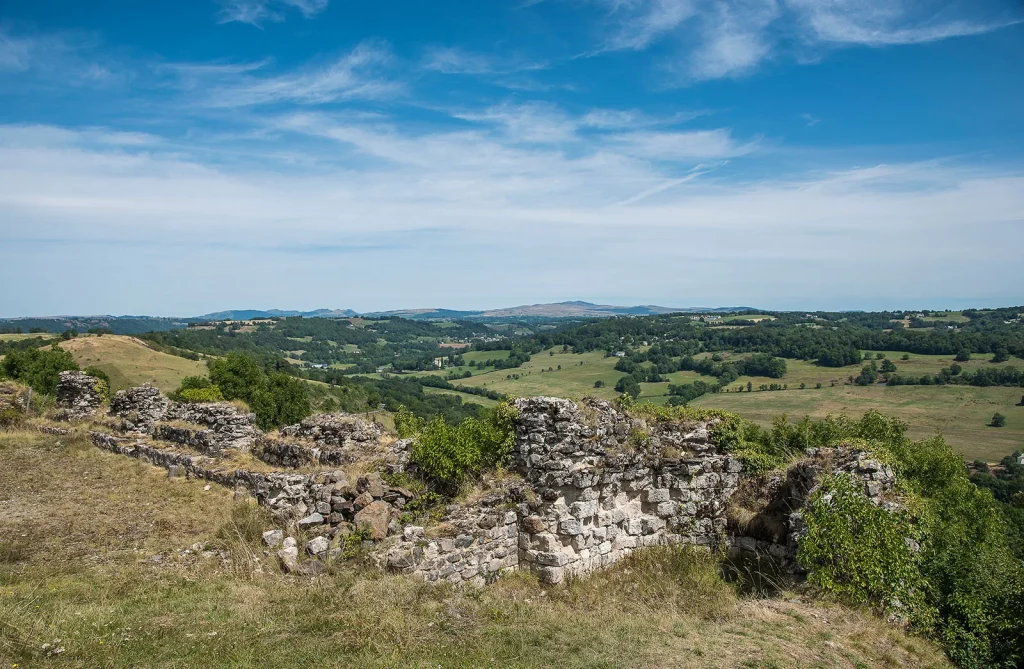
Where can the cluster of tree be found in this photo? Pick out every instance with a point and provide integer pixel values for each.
(954, 375)
(683, 393)
(275, 397)
(38, 368)
(836, 339)
(400, 344)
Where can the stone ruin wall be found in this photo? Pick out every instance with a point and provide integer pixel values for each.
(588, 486)
(590, 496)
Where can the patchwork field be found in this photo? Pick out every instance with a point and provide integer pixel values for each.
(129, 362)
(961, 412)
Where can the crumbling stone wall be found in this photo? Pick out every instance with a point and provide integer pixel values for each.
(775, 529)
(595, 485)
(607, 484)
(142, 408)
(139, 408)
(77, 396)
(586, 486)
(231, 427)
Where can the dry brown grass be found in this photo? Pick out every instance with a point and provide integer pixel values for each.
(80, 527)
(131, 362)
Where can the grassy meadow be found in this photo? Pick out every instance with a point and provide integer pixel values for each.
(962, 413)
(20, 337)
(130, 362)
(93, 563)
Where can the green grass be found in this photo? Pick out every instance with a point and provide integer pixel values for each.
(962, 413)
(574, 380)
(19, 337)
(78, 568)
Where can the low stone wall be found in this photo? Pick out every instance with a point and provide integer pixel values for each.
(231, 427)
(204, 441)
(324, 502)
(391, 455)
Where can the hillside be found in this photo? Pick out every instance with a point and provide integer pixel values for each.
(130, 362)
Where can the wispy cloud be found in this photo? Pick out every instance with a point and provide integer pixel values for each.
(14, 52)
(729, 38)
(256, 12)
(487, 201)
(453, 60)
(356, 75)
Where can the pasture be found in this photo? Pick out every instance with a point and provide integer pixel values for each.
(22, 336)
(542, 376)
(962, 413)
(130, 362)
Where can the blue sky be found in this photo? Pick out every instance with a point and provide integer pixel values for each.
(181, 157)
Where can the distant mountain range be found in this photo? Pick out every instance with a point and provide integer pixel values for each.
(140, 324)
(574, 309)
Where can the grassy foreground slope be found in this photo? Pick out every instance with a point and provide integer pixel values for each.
(88, 578)
(130, 362)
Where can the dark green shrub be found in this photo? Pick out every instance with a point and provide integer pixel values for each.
(998, 420)
(276, 398)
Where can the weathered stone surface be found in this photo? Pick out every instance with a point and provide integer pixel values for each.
(77, 395)
(312, 520)
(317, 546)
(376, 517)
(272, 538)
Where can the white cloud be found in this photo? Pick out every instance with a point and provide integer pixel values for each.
(729, 38)
(256, 12)
(540, 218)
(14, 52)
(453, 60)
(355, 75)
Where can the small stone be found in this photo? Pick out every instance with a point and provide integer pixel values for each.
(317, 546)
(290, 542)
(272, 538)
(364, 500)
(289, 559)
(312, 520)
(534, 524)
